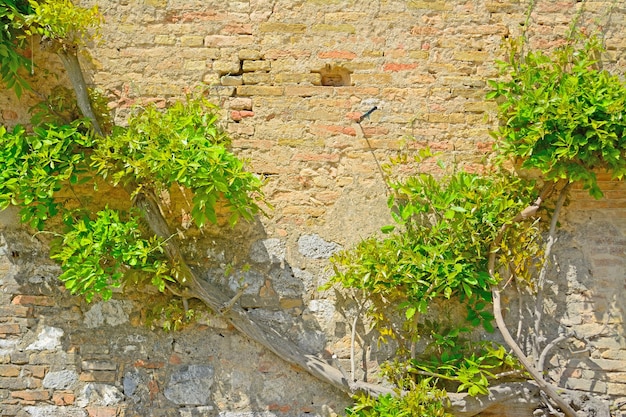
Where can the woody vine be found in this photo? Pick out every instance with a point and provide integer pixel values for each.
(458, 240)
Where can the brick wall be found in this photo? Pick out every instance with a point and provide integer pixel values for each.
(292, 78)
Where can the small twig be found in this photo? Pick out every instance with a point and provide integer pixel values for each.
(551, 239)
(369, 145)
(353, 342)
(544, 353)
(229, 304)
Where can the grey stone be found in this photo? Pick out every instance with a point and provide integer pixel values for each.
(54, 411)
(306, 278)
(131, 381)
(190, 385)
(99, 394)
(313, 246)
(285, 283)
(253, 279)
(112, 312)
(49, 338)
(266, 250)
(60, 379)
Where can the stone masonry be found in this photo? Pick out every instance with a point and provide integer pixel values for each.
(292, 79)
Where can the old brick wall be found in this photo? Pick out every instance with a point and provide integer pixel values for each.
(292, 78)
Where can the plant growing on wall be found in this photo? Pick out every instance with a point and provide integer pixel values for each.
(180, 149)
(460, 238)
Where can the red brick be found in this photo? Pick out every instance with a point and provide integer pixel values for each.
(337, 55)
(317, 157)
(395, 67)
(102, 411)
(344, 130)
(61, 398)
(31, 395)
(238, 115)
(278, 407)
(148, 365)
(9, 370)
(237, 29)
(38, 300)
(370, 131)
(9, 329)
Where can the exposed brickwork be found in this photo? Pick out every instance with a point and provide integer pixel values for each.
(293, 79)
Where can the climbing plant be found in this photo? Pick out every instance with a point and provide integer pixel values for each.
(562, 113)
(435, 254)
(458, 238)
(63, 173)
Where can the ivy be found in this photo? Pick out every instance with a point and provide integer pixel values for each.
(561, 113)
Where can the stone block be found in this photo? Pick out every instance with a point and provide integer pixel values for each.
(257, 78)
(31, 395)
(231, 80)
(228, 40)
(282, 27)
(190, 385)
(250, 54)
(313, 246)
(259, 90)
(256, 65)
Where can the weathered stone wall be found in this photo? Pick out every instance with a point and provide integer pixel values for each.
(292, 78)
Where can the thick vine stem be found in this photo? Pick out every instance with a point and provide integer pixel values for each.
(215, 299)
(69, 58)
(546, 387)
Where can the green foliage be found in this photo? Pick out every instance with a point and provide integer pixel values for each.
(12, 44)
(442, 247)
(37, 165)
(63, 21)
(561, 113)
(95, 254)
(423, 399)
(182, 145)
(461, 363)
(60, 108)
(435, 255)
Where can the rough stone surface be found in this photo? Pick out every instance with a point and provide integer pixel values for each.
(313, 246)
(112, 313)
(190, 385)
(292, 78)
(61, 380)
(99, 394)
(49, 338)
(54, 411)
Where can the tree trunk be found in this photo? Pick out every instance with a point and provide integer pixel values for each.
(216, 299)
(69, 58)
(546, 387)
